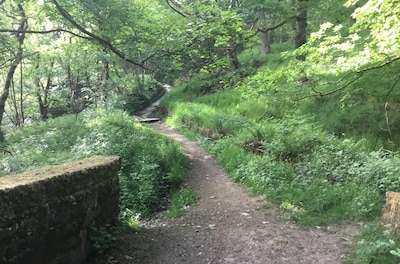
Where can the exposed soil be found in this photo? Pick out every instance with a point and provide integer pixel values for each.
(228, 225)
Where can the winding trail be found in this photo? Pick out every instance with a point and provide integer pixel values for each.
(228, 225)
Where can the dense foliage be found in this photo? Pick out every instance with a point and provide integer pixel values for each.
(278, 151)
(152, 165)
(288, 156)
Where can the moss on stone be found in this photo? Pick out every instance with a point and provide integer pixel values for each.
(49, 172)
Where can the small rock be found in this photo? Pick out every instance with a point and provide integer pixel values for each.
(212, 197)
(212, 226)
(229, 260)
(112, 260)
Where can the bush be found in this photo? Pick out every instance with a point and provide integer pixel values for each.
(150, 163)
(375, 245)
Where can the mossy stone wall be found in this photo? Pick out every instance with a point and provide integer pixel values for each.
(46, 215)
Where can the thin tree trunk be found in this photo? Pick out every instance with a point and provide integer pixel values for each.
(294, 22)
(16, 119)
(21, 96)
(301, 29)
(42, 92)
(233, 56)
(10, 74)
(42, 100)
(265, 37)
(235, 62)
(4, 95)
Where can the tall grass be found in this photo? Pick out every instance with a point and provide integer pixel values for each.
(322, 160)
(315, 176)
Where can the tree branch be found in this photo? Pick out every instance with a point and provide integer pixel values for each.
(265, 30)
(358, 75)
(105, 43)
(184, 13)
(58, 30)
(4, 150)
(393, 85)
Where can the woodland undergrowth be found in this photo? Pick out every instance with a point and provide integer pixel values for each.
(152, 165)
(322, 160)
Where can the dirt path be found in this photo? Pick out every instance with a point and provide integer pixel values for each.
(228, 226)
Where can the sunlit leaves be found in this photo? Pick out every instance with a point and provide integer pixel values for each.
(374, 39)
(382, 17)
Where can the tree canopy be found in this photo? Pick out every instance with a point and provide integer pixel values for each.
(61, 57)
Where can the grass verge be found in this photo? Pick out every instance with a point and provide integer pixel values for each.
(181, 200)
(285, 154)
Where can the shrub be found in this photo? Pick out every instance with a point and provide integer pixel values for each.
(150, 163)
(375, 245)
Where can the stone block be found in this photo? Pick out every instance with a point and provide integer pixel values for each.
(391, 211)
(47, 214)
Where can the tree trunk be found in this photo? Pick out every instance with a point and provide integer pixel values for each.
(17, 98)
(42, 92)
(4, 96)
(21, 93)
(42, 100)
(10, 74)
(301, 29)
(233, 56)
(265, 37)
(16, 118)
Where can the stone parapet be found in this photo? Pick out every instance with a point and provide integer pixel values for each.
(46, 215)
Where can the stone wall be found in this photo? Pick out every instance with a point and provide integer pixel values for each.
(46, 215)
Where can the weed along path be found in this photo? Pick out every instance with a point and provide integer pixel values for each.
(228, 225)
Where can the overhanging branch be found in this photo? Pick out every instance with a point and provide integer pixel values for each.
(3, 30)
(183, 13)
(105, 43)
(358, 75)
(265, 30)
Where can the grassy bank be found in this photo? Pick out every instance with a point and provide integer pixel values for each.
(152, 165)
(281, 151)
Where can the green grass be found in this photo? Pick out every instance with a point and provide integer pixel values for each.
(322, 159)
(271, 145)
(375, 245)
(180, 201)
(151, 164)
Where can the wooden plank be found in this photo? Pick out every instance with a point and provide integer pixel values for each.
(149, 120)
